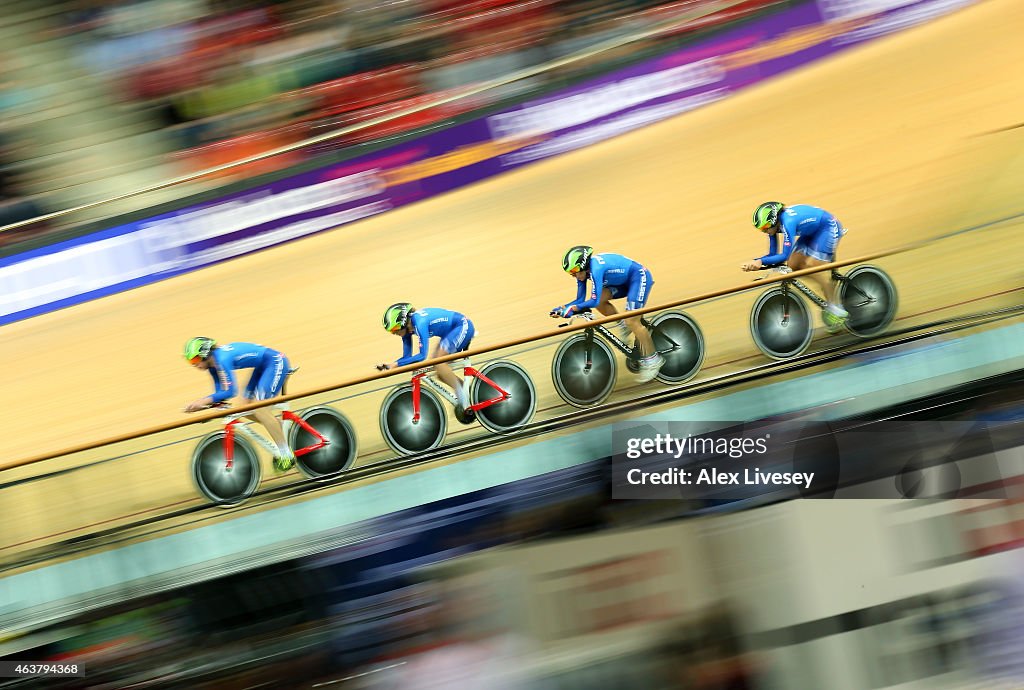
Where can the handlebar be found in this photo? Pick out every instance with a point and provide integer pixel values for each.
(585, 315)
(767, 271)
(224, 405)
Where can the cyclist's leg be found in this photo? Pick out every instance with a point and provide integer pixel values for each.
(272, 424)
(457, 340)
(817, 250)
(606, 308)
(799, 261)
(828, 245)
(268, 382)
(639, 290)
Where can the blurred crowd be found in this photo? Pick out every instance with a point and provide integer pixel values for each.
(216, 81)
(16, 202)
(271, 628)
(250, 75)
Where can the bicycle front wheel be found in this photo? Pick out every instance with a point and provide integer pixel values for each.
(408, 437)
(680, 341)
(226, 487)
(869, 295)
(780, 324)
(337, 456)
(517, 410)
(578, 382)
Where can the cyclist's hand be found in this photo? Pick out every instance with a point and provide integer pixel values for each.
(383, 367)
(563, 312)
(556, 312)
(754, 265)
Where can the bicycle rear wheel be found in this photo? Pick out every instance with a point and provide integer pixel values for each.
(680, 341)
(404, 436)
(780, 324)
(513, 413)
(578, 384)
(869, 295)
(225, 487)
(333, 459)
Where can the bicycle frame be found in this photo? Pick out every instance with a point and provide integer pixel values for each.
(469, 372)
(811, 294)
(630, 352)
(236, 422)
(802, 287)
(614, 339)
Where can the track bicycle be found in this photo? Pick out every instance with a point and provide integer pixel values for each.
(584, 368)
(227, 470)
(413, 419)
(780, 321)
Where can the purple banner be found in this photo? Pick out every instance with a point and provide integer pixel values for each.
(704, 73)
(152, 249)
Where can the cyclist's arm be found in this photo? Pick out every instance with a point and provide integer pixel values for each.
(597, 279)
(777, 254)
(423, 333)
(224, 385)
(581, 293)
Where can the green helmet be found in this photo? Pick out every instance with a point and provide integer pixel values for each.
(767, 214)
(396, 316)
(577, 259)
(199, 347)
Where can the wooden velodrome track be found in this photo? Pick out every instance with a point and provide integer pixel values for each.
(906, 139)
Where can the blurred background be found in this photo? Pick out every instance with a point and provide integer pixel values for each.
(100, 99)
(504, 564)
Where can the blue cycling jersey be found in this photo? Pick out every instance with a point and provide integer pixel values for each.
(428, 323)
(606, 270)
(799, 220)
(228, 358)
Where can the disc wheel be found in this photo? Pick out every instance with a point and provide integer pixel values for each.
(869, 296)
(680, 341)
(224, 486)
(333, 459)
(404, 436)
(780, 324)
(517, 410)
(578, 384)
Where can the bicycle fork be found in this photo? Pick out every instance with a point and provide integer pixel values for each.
(786, 287)
(588, 344)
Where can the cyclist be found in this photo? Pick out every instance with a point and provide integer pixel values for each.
(802, 236)
(455, 332)
(612, 276)
(270, 369)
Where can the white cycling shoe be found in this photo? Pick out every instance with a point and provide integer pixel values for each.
(649, 367)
